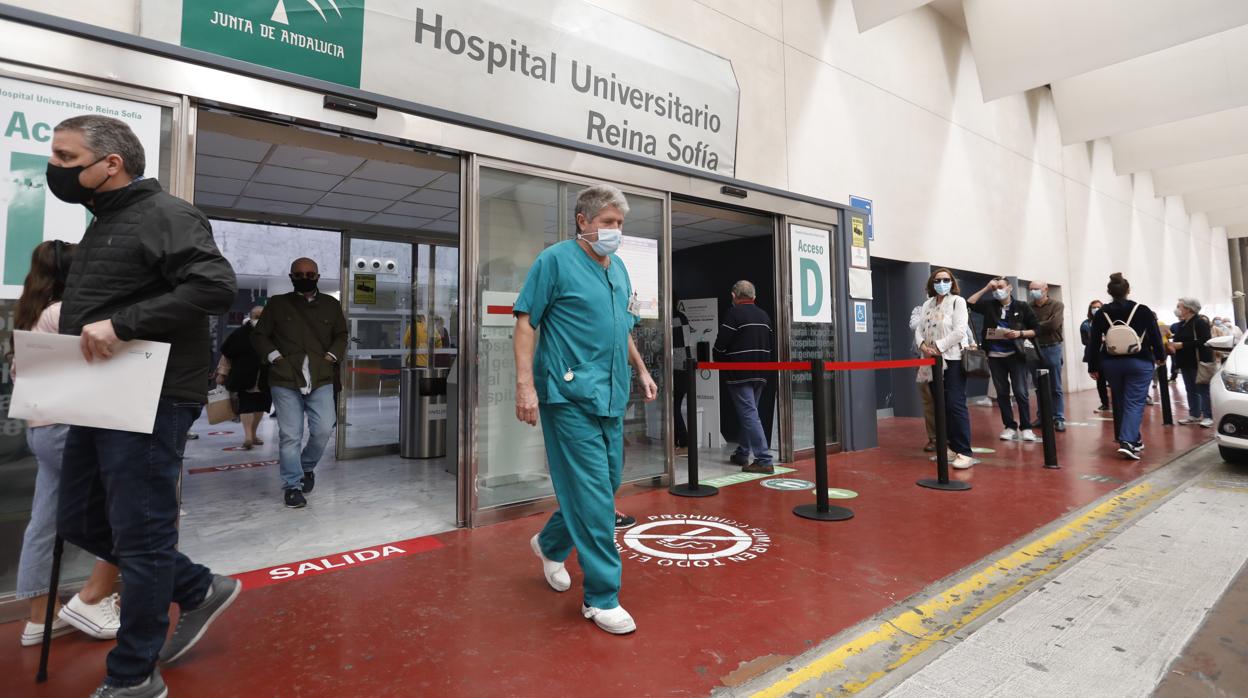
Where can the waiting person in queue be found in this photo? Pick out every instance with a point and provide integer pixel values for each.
(922, 378)
(577, 379)
(1085, 334)
(1015, 323)
(1129, 373)
(1050, 318)
(147, 268)
(745, 334)
(944, 330)
(302, 335)
(1188, 348)
(93, 610)
(242, 371)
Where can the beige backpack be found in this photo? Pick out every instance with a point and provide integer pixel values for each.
(1121, 339)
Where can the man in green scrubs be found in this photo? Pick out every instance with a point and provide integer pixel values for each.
(578, 380)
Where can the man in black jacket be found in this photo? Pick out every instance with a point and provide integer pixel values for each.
(1008, 326)
(147, 268)
(745, 335)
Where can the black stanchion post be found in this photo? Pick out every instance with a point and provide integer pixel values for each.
(820, 511)
(692, 488)
(942, 481)
(58, 549)
(1163, 383)
(1044, 390)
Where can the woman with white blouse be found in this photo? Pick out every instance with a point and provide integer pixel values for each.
(944, 331)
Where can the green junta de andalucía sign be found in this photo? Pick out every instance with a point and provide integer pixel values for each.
(321, 39)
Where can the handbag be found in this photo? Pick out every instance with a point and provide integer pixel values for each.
(1205, 371)
(975, 362)
(219, 407)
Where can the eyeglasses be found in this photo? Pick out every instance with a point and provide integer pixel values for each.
(305, 275)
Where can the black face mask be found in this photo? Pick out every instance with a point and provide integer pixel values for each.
(304, 285)
(64, 183)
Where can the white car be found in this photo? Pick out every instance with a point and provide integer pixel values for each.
(1230, 399)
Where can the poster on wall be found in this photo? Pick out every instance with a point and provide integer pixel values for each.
(641, 259)
(861, 202)
(29, 213)
(858, 257)
(810, 258)
(365, 289)
(703, 314)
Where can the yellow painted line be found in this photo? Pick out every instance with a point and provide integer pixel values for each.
(908, 629)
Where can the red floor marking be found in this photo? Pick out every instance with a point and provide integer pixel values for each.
(232, 466)
(235, 448)
(292, 571)
(220, 433)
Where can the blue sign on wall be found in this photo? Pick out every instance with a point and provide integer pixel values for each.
(865, 204)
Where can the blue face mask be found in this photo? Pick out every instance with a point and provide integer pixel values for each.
(1001, 294)
(943, 287)
(1036, 294)
(608, 241)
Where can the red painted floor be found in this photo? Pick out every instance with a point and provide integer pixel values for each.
(475, 617)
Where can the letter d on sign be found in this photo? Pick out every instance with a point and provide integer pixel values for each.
(812, 298)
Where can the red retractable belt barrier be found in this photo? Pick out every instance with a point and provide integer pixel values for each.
(805, 365)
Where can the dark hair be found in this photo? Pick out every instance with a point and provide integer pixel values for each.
(931, 281)
(1118, 286)
(104, 136)
(1090, 308)
(45, 282)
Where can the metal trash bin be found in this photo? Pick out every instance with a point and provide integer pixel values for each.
(422, 412)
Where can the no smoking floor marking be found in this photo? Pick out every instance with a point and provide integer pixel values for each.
(694, 542)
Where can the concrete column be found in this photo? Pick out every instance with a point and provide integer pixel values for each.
(1234, 248)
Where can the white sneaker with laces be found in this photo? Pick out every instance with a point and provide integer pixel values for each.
(1206, 422)
(1009, 435)
(962, 462)
(616, 620)
(100, 620)
(556, 574)
(33, 633)
(1028, 435)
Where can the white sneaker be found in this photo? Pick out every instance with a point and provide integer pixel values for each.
(556, 574)
(613, 620)
(1009, 435)
(1206, 422)
(1189, 420)
(1028, 435)
(100, 620)
(33, 633)
(962, 462)
(984, 402)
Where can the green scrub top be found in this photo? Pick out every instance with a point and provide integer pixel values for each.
(581, 310)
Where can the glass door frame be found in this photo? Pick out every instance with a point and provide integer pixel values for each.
(415, 239)
(470, 312)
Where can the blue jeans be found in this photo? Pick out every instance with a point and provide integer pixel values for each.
(1129, 383)
(119, 502)
(1054, 359)
(297, 459)
(957, 417)
(1199, 401)
(1011, 372)
(34, 567)
(745, 397)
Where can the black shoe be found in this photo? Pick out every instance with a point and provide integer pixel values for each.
(1059, 425)
(192, 436)
(152, 687)
(1103, 408)
(757, 467)
(295, 499)
(194, 623)
(739, 460)
(309, 481)
(624, 521)
(1128, 451)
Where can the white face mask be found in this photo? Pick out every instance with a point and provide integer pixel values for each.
(608, 241)
(942, 288)
(1001, 294)
(1036, 294)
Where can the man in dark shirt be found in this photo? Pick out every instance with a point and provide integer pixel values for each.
(1008, 324)
(1050, 314)
(745, 335)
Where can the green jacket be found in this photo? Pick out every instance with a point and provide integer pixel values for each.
(297, 328)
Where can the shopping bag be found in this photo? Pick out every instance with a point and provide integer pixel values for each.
(220, 408)
(975, 362)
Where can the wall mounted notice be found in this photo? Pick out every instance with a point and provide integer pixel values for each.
(560, 67)
(641, 259)
(860, 317)
(365, 289)
(810, 258)
(865, 204)
(858, 245)
(29, 213)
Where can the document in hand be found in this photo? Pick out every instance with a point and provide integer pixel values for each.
(55, 383)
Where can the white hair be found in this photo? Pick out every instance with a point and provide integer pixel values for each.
(743, 289)
(593, 199)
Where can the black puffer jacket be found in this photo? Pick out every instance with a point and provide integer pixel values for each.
(148, 262)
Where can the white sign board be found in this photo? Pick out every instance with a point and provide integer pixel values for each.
(641, 259)
(703, 314)
(860, 317)
(810, 260)
(29, 213)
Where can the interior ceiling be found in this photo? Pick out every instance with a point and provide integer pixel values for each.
(242, 177)
(1165, 81)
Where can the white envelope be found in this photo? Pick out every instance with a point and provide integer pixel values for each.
(55, 383)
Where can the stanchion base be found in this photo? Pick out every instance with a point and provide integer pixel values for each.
(1055, 466)
(951, 486)
(687, 490)
(811, 511)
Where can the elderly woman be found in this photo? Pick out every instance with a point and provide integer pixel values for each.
(942, 331)
(1189, 350)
